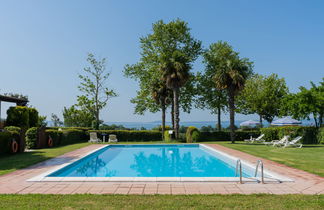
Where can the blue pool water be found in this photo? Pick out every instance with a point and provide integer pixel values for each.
(150, 161)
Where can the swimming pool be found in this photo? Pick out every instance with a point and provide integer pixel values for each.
(144, 162)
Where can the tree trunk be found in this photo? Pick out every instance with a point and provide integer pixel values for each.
(172, 114)
(163, 118)
(232, 115)
(176, 111)
(320, 120)
(261, 121)
(219, 126)
(316, 123)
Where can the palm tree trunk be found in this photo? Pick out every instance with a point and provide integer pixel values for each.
(172, 113)
(232, 115)
(163, 118)
(176, 111)
(261, 121)
(219, 126)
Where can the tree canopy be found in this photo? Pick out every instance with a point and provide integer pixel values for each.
(230, 73)
(263, 95)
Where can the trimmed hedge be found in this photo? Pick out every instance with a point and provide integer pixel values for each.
(5, 139)
(225, 135)
(70, 128)
(192, 134)
(55, 135)
(13, 129)
(31, 138)
(72, 136)
(126, 135)
(309, 134)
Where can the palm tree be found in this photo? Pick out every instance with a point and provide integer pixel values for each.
(160, 94)
(175, 74)
(231, 72)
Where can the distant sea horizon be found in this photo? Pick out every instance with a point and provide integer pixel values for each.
(197, 124)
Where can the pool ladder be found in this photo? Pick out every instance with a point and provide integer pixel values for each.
(239, 170)
(259, 163)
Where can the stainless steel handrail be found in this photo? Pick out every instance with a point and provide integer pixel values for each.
(239, 167)
(259, 162)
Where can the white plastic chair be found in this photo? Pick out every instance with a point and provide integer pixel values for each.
(94, 138)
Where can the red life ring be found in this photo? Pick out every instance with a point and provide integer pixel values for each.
(14, 146)
(50, 142)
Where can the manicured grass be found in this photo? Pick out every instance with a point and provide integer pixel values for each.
(308, 158)
(9, 163)
(260, 201)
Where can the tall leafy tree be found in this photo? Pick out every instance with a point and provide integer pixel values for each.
(176, 50)
(231, 73)
(56, 120)
(306, 103)
(94, 87)
(263, 95)
(210, 97)
(166, 59)
(76, 117)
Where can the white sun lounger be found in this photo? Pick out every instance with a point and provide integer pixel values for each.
(113, 138)
(94, 138)
(280, 142)
(252, 140)
(294, 142)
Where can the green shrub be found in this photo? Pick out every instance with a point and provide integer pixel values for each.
(309, 134)
(167, 136)
(55, 135)
(5, 139)
(320, 135)
(13, 129)
(127, 135)
(22, 116)
(72, 136)
(31, 138)
(18, 116)
(33, 117)
(192, 134)
(270, 133)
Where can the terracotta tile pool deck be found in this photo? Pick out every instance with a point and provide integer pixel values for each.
(15, 182)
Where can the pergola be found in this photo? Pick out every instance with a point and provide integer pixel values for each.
(18, 101)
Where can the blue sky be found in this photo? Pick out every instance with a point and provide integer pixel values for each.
(43, 44)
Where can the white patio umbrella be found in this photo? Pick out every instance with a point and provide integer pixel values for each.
(286, 121)
(249, 123)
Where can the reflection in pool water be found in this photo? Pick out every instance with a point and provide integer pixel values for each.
(149, 161)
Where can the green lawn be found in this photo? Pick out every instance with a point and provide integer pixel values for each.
(86, 201)
(308, 158)
(9, 163)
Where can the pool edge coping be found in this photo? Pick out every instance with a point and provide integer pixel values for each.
(43, 177)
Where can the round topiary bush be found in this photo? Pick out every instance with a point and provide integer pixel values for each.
(192, 134)
(31, 138)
